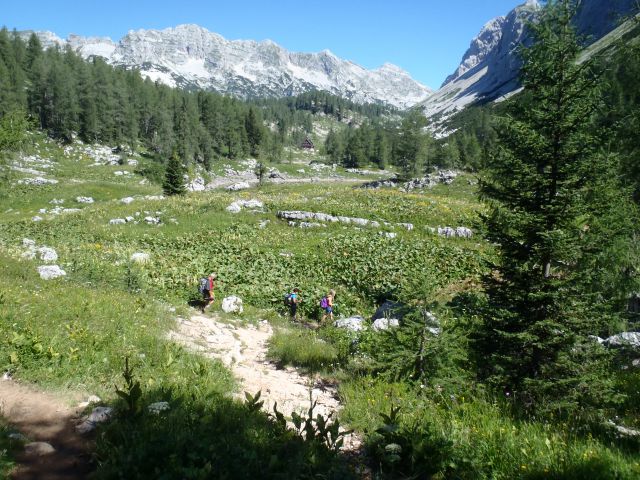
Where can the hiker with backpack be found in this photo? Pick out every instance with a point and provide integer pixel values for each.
(292, 299)
(207, 284)
(326, 304)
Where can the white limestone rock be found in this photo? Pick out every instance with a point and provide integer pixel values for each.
(232, 304)
(49, 272)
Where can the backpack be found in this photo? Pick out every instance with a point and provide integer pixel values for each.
(204, 285)
(287, 299)
(324, 303)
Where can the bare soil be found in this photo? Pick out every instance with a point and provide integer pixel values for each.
(46, 417)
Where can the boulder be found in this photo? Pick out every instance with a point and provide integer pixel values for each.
(232, 304)
(49, 272)
(354, 324)
(624, 339)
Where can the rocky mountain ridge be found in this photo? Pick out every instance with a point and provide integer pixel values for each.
(490, 67)
(189, 56)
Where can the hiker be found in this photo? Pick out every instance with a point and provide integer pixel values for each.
(294, 299)
(207, 285)
(327, 305)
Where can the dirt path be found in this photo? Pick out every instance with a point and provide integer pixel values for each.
(243, 349)
(45, 417)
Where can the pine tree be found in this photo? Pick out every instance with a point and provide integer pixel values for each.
(255, 132)
(410, 147)
(174, 177)
(561, 224)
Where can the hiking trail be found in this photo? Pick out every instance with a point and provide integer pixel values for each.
(45, 417)
(243, 349)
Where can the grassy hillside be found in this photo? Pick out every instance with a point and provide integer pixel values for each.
(75, 331)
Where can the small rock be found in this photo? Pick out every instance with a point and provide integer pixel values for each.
(47, 254)
(355, 323)
(6, 376)
(140, 257)
(18, 437)
(89, 401)
(49, 272)
(84, 199)
(98, 415)
(234, 208)
(238, 186)
(127, 200)
(232, 304)
(385, 323)
(27, 242)
(158, 407)
(117, 221)
(39, 449)
(37, 218)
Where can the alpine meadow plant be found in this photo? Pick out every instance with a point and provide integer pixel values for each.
(562, 226)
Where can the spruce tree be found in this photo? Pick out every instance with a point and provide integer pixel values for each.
(411, 144)
(174, 177)
(561, 226)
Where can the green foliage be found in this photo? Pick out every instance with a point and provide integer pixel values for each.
(213, 436)
(557, 211)
(6, 457)
(420, 350)
(132, 392)
(462, 434)
(13, 131)
(174, 177)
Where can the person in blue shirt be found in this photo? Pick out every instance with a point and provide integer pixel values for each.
(294, 300)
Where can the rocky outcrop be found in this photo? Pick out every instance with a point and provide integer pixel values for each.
(490, 68)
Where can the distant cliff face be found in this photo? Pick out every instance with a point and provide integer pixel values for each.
(192, 57)
(490, 67)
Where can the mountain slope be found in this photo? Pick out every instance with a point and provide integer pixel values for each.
(190, 56)
(490, 67)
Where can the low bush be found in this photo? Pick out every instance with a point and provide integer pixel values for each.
(302, 348)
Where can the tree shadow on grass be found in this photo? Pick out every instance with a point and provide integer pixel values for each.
(209, 437)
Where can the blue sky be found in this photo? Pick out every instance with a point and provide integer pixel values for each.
(425, 37)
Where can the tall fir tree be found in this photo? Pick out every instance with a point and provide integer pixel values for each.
(174, 177)
(410, 145)
(562, 227)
